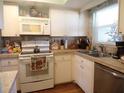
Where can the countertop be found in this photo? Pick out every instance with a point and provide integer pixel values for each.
(115, 64)
(65, 51)
(12, 55)
(16, 55)
(7, 79)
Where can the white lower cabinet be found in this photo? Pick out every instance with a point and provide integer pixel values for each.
(73, 67)
(63, 68)
(10, 64)
(83, 73)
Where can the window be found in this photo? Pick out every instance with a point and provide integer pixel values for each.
(105, 22)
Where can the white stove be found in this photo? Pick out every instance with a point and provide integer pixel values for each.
(36, 69)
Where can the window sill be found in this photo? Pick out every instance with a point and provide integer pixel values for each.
(106, 43)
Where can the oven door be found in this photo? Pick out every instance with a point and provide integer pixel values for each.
(27, 75)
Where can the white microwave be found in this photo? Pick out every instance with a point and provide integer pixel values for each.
(34, 26)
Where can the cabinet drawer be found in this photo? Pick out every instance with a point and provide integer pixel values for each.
(9, 62)
(62, 57)
(88, 64)
(9, 68)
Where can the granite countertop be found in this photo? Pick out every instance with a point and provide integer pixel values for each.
(7, 79)
(65, 51)
(13, 55)
(115, 64)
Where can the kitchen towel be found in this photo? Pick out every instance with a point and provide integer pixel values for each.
(38, 63)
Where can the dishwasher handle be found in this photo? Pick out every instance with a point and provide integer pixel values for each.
(113, 73)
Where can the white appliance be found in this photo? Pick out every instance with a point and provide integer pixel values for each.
(34, 26)
(36, 69)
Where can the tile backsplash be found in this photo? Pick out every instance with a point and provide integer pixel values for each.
(70, 40)
(110, 49)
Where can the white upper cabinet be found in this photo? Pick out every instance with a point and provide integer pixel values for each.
(11, 21)
(57, 22)
(72, 23)
(1, 14)
(64, 22)
(83, 23)
(121, 16)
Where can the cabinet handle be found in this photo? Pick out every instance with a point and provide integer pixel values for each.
(63, 58)
(81, 67)
(55, 63)
(9, 62)
(82, 61)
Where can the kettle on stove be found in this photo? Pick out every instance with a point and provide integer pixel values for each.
(36, 49)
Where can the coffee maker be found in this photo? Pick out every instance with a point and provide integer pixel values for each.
(120, 50)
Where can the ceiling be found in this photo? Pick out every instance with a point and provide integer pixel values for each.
(74, 4)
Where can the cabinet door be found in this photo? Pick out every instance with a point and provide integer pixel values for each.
(1, 15)
(77, 70)
(10, 64)
(88, 76)
(62, 72)
(121, 16)
(57, 22)
(64, 22)
(72, 23)
(63, 68)
(11, 22)
(84, 73)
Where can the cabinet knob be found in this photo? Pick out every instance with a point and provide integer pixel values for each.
(9, 62)
(63, 58)
(82, 61)
(81, 67)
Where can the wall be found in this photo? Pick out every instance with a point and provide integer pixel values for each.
(0, 39)
(85, 24)
(72, 42)
(92, 4)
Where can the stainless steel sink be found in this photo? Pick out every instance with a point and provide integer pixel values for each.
(94, 53)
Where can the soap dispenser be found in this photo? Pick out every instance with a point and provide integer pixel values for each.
(66, 44)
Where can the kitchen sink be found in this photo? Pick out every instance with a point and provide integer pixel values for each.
(94, 53)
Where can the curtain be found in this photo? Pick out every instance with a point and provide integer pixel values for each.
(104, 4)
(99, 32)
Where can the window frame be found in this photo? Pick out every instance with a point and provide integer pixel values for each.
(95, 27)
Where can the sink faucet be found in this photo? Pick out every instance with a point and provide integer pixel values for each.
(102, 48)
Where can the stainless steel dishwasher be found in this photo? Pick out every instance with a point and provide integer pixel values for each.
(107, 80)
